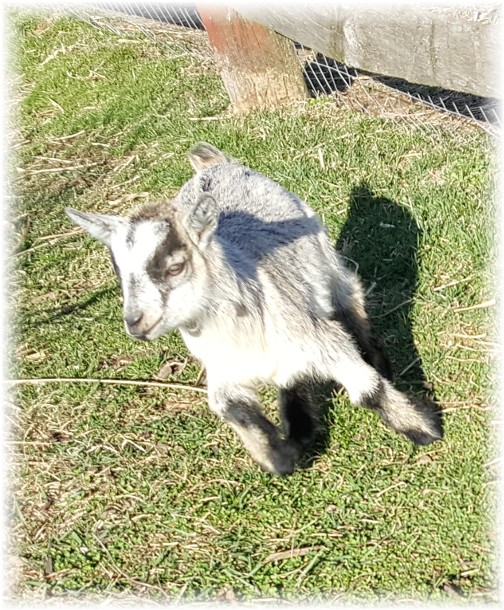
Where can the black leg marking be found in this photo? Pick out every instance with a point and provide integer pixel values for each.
(367, 340)
(375, 401)
(297, 412)
(373, 354)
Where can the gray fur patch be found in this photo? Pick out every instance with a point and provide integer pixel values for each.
(156, 267)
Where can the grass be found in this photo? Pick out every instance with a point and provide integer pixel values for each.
(140, 491)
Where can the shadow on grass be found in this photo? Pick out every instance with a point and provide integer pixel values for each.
(380, 239)
(59, 313)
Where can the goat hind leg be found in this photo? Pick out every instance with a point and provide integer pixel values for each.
(417, 421)
(240, 408)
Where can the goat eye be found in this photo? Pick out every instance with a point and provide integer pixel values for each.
(174, 269)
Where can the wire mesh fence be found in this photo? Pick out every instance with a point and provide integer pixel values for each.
(180, 30)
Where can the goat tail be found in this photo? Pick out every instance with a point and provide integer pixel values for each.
(418, 421)
(205, 155)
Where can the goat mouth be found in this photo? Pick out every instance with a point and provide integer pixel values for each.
(144, 335)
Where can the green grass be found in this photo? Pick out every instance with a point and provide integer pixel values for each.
(123, 490)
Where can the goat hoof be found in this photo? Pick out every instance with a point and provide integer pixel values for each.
(282, 461)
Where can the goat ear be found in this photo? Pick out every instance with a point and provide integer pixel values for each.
(205, 155)
(99, 226)
(202, 220)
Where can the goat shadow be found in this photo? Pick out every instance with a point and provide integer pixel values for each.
(380, 239)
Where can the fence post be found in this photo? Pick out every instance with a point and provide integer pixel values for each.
(259, 67)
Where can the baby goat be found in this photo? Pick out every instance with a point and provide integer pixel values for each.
(245, 270)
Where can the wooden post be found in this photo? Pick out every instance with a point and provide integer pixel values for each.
(259, 67)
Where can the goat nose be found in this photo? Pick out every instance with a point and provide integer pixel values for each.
(132, 318)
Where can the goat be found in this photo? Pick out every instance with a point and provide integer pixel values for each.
(246, 272)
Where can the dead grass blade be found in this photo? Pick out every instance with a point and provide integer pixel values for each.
(54, 170)
(484, 305)
(155, 384)
(292, 553)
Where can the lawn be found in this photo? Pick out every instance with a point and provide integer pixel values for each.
(139, 490)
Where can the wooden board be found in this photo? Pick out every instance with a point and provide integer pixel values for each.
(448, 47)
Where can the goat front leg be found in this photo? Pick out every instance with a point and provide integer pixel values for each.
(240, 408)
(299, 412)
